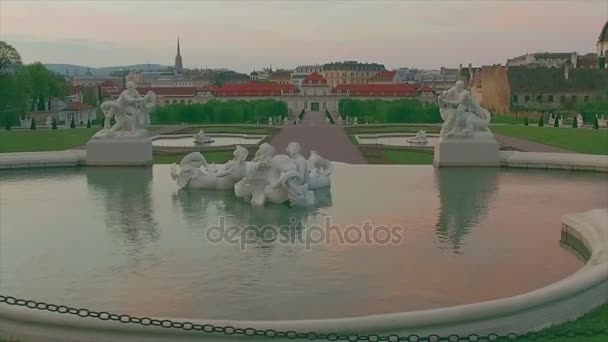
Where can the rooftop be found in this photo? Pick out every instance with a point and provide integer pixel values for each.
(552, 79)
(386, 75)
(376, 89)
(314, 79)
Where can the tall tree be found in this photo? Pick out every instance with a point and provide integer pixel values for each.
(10, 60)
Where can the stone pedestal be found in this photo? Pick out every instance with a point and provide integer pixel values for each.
(120, 151)
(463, 151)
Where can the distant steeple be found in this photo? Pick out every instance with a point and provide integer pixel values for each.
(179, 68)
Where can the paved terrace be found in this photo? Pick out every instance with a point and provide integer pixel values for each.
(331, 141)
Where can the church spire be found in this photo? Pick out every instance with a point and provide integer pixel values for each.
(178, 60)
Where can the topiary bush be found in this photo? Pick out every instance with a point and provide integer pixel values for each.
(72, 123)
(526, 121)
(33, 125)
(574, 123)
(88, 123)
(54, 124)
(556, 122)
(541, 123)
(596, 125)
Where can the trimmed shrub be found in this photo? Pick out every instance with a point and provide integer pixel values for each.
(33, 125)
(541, 123)
(88, 123)
(556, 123)
(72, 123)
(526, 121)
(54, 124)
(574, 123)
(596, 124)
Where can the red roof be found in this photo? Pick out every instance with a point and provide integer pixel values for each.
(314, 79)
(256, 89)
(385, 75)
(74, 106)
(208, 88)
(399, 90)
(108, 84)
(163, 91)
(425, 88)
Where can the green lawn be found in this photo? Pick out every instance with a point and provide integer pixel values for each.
(593, 141)
(44, 139)
(408, 157)
(211, 156)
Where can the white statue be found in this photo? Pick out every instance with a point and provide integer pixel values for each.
(202, 138)
(195, 172)
(356, 121)
(462, 115)
(131, 112)
(285, 121)
(340, 121)
(420, 138)
(49, 121)
(270, 120)
(579, 120)
(560, 121)
(601, 122)
(552, 119)
(319, 171)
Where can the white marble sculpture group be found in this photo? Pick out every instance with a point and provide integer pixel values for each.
(419, 139)
(131, 111)
(202, 138)
(462, 115)
(267, 178)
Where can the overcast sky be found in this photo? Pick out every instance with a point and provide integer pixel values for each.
(247, 35)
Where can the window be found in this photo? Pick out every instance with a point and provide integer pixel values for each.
(586, 98)
(527, 98)
(562, 99)
(550, 98)
(574, 98)
(539, 98)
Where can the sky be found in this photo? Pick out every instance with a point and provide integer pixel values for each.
(249, 35)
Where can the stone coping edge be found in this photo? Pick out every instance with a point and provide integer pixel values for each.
(558, 302)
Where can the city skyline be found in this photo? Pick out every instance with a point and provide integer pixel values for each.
(244, 36)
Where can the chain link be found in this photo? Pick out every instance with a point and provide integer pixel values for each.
(292, 335)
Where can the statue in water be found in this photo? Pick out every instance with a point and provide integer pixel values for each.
(267, 178)
(131, 111)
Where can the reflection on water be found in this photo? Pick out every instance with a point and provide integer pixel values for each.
(464, 193)
(127, 201)
(198, 206)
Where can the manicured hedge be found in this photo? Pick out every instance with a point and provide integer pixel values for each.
(219, 112)
(398, 111)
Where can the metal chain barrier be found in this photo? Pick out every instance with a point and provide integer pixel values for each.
(292, 335)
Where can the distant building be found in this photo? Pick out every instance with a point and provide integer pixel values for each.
(261, 76)
(384, 77)
(79, 111)
(179, 68)
(350, 72)
(588, 61)
(543, 88)
(544, 59)
(281, 77)
(301, 71)
(439, 80)
(602, 46)
(93, 81)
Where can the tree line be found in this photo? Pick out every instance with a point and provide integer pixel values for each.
(215, 111)
(397, 111)
(25, 87)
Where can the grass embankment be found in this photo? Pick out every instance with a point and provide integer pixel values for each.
(211, 156)
(44, 139)
(582, 140)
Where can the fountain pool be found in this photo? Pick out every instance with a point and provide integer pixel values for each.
(187, 140)
(126, 240)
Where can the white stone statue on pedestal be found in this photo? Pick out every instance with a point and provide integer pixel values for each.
(465, 138)
(552, 119)
(285, 121)
(560, 121)
(49, 121)
(127, 142)
(601, 122)
(270, 120)
(131, 111)
(356, 121)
